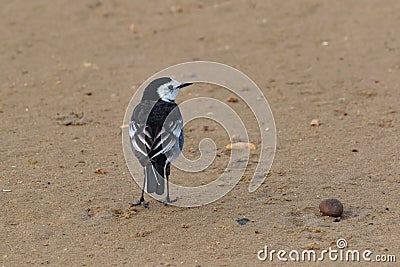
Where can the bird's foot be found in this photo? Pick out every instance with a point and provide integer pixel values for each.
(140, 202)
(167, 200)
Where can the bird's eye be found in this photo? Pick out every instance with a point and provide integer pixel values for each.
(170, 87)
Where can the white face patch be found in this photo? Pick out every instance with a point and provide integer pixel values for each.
(169, 91)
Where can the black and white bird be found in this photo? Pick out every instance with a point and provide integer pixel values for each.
(156, 134)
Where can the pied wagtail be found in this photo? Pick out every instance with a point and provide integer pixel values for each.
(156, 134)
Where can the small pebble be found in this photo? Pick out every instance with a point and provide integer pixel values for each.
(242, 221)
(331, 207)
(232, 100)
(100, 171)
(315, 122)
(241, 145)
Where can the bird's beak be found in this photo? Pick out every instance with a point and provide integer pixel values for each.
(183, 85)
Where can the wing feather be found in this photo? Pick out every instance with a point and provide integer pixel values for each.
(149, 141)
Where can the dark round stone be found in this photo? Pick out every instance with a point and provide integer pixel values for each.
(331, 207)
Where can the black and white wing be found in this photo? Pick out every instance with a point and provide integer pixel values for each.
(152, 141)
(167, 140)
(140, 133)
(141, 141)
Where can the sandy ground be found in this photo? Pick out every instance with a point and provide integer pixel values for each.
(336, 61)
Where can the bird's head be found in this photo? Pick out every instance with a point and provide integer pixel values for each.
(165, 88)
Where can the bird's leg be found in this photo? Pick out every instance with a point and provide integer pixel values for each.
(141, 200)
(167, 173)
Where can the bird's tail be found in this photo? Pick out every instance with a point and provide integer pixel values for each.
(155, 178)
